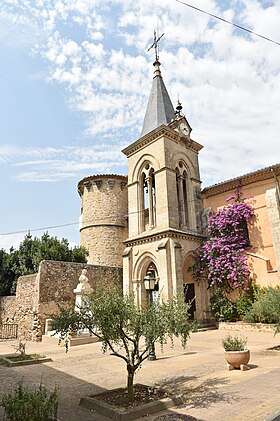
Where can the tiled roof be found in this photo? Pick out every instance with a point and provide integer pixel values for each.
(242, 180)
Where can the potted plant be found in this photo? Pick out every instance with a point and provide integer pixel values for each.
(236, 353)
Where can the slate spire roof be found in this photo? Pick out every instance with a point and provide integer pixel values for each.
(159, 109)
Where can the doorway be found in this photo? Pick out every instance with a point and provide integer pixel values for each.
(189, 294)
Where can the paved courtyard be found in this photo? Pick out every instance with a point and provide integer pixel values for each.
(198, 373)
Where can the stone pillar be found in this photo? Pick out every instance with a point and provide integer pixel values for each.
(150, 199)
(181, 200)
(274, 222)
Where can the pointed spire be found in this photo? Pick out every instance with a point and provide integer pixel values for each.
(159, 109)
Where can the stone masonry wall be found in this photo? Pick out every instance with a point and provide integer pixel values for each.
(25, 306)
(104, 218)
(40, 294)
(8, 306)
(56, 282)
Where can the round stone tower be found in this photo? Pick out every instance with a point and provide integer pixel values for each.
(103, 221)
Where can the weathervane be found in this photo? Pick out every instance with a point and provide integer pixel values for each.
(155, 45)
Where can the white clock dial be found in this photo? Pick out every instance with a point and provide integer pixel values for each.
(184, 129)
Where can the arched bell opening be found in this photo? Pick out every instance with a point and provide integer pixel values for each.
(147, 198)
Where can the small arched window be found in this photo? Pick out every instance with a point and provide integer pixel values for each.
(148, 198)
(182, 195)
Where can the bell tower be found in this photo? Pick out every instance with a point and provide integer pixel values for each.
(164, 202)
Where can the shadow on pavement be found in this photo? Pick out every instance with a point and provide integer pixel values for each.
(176, 356)
(199, 394)
(71, 389)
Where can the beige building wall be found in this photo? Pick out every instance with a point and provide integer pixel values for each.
(167, 244)
(170, 257)
(264, 228)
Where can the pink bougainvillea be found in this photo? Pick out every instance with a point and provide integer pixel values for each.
(221, 258)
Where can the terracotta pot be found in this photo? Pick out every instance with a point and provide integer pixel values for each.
(236, 358)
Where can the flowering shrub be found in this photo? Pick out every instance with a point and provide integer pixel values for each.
(221, 258)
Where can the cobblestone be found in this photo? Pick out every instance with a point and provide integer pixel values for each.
(197, 373)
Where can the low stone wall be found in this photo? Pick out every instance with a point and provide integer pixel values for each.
(56, 283)
(41, 294)
(246, 327)
(8, 307)
(26, 305)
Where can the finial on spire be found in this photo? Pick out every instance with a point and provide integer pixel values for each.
(155, 45)
(179, 108)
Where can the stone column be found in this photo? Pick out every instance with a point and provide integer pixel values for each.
(181, 200)
(150, 199)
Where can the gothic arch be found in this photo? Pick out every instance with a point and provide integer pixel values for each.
(140, 165)
(146, 197)
(142, 264)
(188, 260)
(188, 164)
(190, 286)
(185, 195)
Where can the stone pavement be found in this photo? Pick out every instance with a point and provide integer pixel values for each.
(198, 373)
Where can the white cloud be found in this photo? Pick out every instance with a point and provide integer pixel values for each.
(53, 165)
(227, 80)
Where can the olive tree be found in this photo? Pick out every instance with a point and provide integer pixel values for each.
(126, 331)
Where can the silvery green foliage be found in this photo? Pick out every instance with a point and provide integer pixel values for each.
(125, 330)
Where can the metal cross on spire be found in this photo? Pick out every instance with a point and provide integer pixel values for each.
(155, 45)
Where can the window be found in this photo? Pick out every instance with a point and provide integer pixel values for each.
(182, 195)
(244, 227)
(148, 198)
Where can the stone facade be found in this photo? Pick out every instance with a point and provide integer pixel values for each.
(41, 294)
(165, 227)
(26, 314)
(8, 307)
(103, 223)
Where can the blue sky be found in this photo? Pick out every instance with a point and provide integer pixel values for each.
(75, 77)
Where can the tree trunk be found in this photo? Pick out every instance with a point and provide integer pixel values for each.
(130, 378)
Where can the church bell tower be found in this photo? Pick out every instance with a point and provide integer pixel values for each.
(164, 202)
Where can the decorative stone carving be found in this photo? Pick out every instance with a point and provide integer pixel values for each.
(98, 183)
(111, 183)
(83, 288)
(123, 184)
(88, 185)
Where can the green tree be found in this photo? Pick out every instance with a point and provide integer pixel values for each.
(266, 307)
(8, 270)
(30, 253)
(126, 331)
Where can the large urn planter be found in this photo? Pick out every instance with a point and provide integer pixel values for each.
(236, 354)
(237, 359)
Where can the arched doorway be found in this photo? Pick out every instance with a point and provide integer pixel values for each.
(189, 294)
(190, 287)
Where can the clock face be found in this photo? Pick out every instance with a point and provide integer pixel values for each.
(184, 129)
